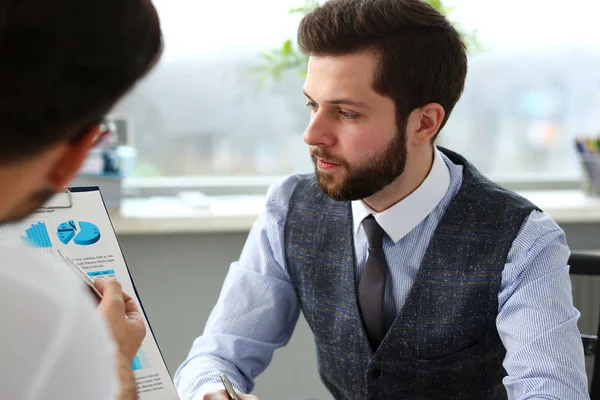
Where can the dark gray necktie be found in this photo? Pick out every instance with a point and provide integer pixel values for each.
(371, 287)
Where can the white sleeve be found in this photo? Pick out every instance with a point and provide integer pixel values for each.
(53, 342)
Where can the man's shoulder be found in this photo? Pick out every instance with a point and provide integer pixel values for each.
(34, 272)
(539, 229)
(48, 319)
(41, 286)
(281, 191)
(476, 185)
(290, 182)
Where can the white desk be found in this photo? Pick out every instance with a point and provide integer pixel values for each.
(238, 213)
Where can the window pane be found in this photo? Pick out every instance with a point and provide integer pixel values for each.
(201, 112)
(534, 88)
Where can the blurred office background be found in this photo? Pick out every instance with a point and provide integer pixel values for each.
(204, 127)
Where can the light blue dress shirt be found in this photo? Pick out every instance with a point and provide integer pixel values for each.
(257, 309)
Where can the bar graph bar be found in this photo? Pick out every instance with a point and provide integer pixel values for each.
(108, 273)
(140, 361)
(37, 236)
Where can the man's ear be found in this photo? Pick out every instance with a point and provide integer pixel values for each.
(71, 160)
(430, 118)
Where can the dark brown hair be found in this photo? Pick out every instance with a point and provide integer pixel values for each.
(65, 64)
(422, 58)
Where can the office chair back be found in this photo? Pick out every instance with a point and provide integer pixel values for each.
(589, 265)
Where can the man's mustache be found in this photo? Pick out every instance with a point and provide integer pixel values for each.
(317, 152)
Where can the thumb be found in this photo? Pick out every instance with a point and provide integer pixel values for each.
(112, 297)
(109, 288)
(100, 283)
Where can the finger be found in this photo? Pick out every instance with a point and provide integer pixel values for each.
(126, 297)
(131, 306)
(113, 289)
(220, 395)
(135, 325)
(99, 283)
(132, 311)
(112, 298)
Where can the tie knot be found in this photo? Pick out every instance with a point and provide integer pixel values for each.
(374, 232)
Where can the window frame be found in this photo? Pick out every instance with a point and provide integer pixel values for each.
(258, 185)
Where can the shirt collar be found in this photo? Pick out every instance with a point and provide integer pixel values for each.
(398, 220)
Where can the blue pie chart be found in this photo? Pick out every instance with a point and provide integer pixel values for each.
(81, 233)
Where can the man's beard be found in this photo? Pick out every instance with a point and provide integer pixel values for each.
(364, 180)
(29, 206)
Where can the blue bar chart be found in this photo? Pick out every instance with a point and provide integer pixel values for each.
(37, 236)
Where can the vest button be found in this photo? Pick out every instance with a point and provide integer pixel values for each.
(377, 373)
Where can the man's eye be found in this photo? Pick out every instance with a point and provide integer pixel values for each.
(311, 105)
(348, 115)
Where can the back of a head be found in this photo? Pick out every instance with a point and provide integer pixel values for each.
(422, 58)
(65, 64)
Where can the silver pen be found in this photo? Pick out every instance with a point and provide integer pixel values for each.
(228, 388)
(81, 273)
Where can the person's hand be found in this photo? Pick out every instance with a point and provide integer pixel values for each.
(222, 395)
(123, 316)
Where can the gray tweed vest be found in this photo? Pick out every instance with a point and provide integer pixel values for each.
(444, 343)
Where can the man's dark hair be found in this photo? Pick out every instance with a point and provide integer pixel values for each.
(64, 64)
(422, 58)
